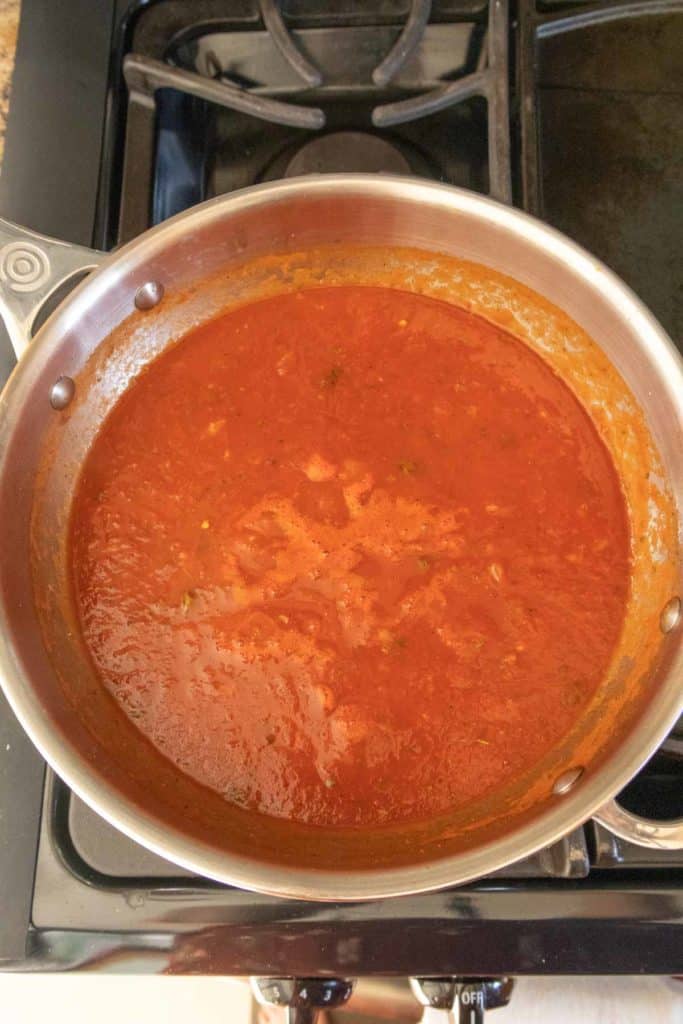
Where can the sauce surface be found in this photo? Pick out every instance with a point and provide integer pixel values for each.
(350, 556)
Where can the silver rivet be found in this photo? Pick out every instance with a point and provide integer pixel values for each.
(149, 295)
(61, 392)
(671, 615)
(567, 781)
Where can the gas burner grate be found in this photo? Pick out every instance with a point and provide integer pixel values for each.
(346, 89)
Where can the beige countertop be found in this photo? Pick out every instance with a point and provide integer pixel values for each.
(9, 25)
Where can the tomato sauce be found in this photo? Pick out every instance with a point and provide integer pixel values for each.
(350, 556)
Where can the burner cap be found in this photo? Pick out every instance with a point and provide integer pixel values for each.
(347, 151)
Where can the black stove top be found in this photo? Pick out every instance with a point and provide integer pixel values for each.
(569, 108)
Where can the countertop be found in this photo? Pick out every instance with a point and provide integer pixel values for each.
(9, 25)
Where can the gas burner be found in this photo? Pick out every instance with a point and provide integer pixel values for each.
(347, 151)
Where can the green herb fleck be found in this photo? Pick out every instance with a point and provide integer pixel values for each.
(332, 378)
(423, 563)
(407, 466)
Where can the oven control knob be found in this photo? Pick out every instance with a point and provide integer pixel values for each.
(460, 1000)
(302, 997)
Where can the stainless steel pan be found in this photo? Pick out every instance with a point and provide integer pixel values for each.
(396, 231)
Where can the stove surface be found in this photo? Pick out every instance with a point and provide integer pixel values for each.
(573, 110)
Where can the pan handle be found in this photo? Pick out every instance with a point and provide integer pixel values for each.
(656, 835)
(32, 268)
